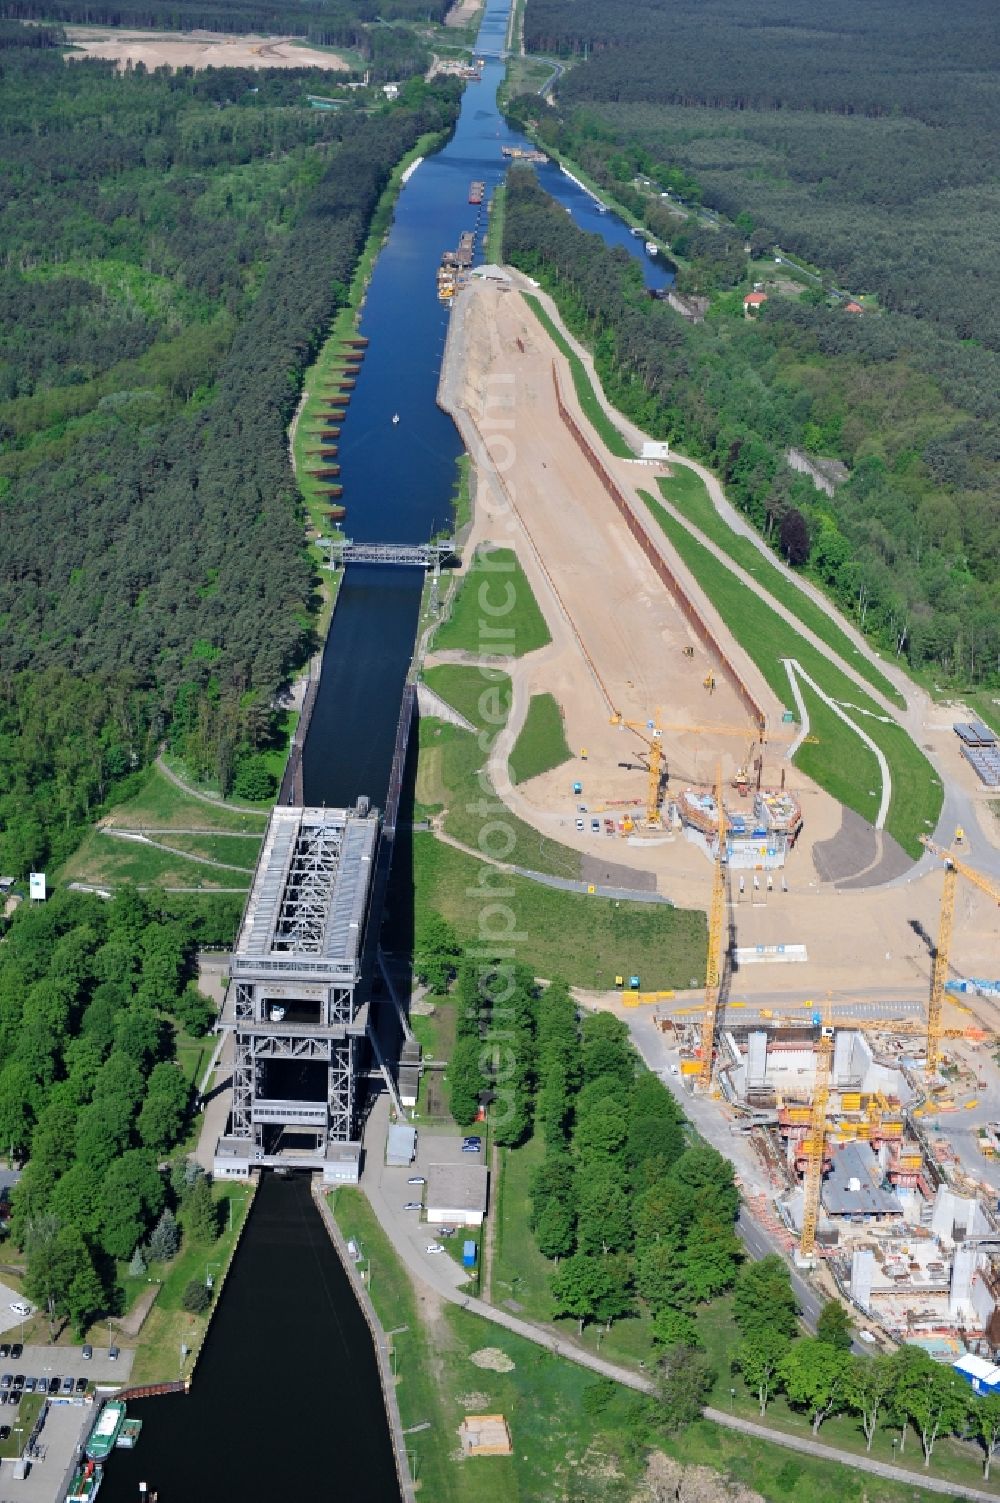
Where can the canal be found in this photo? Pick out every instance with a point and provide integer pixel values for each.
(286, 1401)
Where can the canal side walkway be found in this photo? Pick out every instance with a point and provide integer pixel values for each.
(443, 1277)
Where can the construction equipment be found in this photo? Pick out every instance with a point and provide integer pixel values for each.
(716, 928)
(651, 732)
(953, 868)
(815, 1143)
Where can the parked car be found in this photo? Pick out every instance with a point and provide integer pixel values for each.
(580, 826)
(446, 1231)
(472, 1147)
(112, 1354)
(413, 1205)
(20, 1308)
(19, 1380)
(6, 1380)
(81, 1385)
(595, 827)
(434, 1247)
(5, 1349)
(414, 1179)
(16, 1352)
(87, 1352)
(472, 1137)
(29, 1384)
(54, 1384)
(16, 1395)
(67, 1385)
(4, 1432)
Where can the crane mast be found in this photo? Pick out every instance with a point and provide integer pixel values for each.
(716, 926)
(953, 869)
(816, 1141)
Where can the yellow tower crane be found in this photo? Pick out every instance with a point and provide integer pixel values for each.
(650, 732)
(953, 869)
(716, 929)
(815, 1143)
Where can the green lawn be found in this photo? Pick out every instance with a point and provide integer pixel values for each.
(233, 850)
(168, 1324)
(839, 761)
(557, 1444)
(495, 611)
(21, 1421)
(541, 744)
(493, 249)
(107, 861)
(161, 805)
(566, 1445)
(586, 939)
(587, 397)
(686, 490)
(450, 768)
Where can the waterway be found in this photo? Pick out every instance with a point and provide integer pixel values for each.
(286, 1400)
(398, 477)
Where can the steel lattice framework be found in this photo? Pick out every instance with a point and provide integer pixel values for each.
(294, 978)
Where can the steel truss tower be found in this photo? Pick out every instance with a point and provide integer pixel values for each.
(293, 1000)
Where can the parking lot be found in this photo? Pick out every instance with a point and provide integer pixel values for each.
(69, 1362)
(388, 1186)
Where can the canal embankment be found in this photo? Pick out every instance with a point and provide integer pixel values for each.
(380, 1341)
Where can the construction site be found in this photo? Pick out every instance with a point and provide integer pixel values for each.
(862, 1121)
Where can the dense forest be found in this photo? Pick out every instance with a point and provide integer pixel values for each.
(334, 23)
(92, 996)
(909, 544)
(173, 248)
(865, 139)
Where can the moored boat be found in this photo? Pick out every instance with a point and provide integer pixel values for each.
(105, 1432)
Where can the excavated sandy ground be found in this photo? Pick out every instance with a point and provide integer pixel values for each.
(197, 49)
(550, 506)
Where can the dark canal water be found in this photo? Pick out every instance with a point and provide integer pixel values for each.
(287, 1403)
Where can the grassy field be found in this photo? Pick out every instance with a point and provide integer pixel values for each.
(161, 805)
(839, 762)
(585, 939)
(495, 583)
(686, 490)
(587, 397)
(575, 1436)
(175, 818)
(558, 1445)
(157, 1355)
(493, 248)
(449, 776)
(541, 744)
(106, 861)
(461, 497)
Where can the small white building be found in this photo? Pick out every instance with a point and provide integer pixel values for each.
(457, 1194)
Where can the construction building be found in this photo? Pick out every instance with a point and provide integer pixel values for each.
(756, 840)
(294, 1003)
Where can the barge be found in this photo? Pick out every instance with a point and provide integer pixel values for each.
(477, 192)
(102, 1438)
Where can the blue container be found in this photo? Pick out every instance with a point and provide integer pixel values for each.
(469, 1254)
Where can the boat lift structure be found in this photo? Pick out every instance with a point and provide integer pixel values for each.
(341, 551)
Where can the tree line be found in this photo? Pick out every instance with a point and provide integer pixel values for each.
(820, 1376)
(908, 546)
(92, 996)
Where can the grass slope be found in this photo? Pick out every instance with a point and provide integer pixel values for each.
(106, 861)
(541, 744)
(587, 397)
(686, 490)
(495, 610)
(161, 805)
(450, 776)
(840, 762)
(586, 939)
